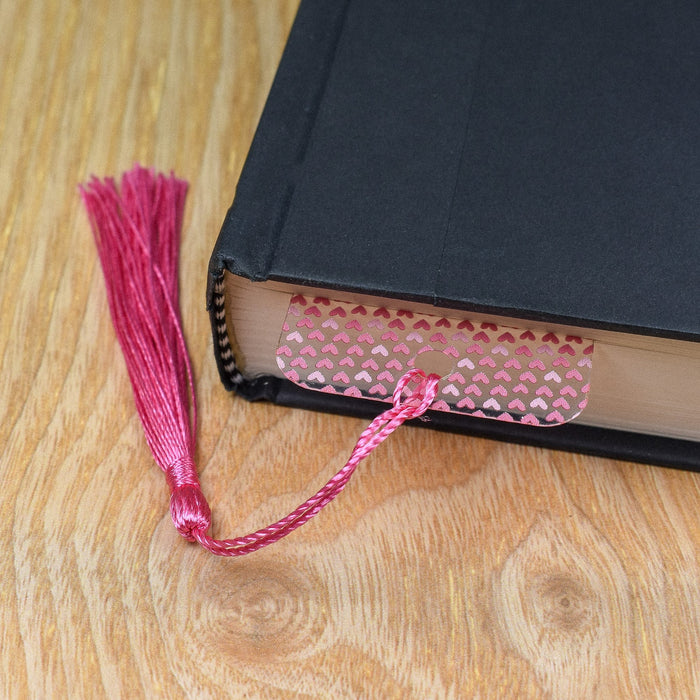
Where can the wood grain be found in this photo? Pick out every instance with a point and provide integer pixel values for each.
(451, 567)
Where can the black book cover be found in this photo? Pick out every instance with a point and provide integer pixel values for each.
(531, 159)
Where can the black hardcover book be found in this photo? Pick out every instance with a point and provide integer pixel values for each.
(509, 169)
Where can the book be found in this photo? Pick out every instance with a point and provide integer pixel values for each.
(527, 171)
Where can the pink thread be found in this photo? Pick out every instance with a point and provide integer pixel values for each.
(137, 230)
(413, 405)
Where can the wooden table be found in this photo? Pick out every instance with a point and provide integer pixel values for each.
(451, 567)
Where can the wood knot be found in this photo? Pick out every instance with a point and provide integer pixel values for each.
(559, 600)
(262, 609)
(548, 597)
(562, 601)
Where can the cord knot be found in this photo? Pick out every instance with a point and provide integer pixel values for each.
(417, 400)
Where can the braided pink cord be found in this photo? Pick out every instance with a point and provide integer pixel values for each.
(413, 405)
(137, 231)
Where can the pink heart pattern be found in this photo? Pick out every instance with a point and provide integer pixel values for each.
(481, 386)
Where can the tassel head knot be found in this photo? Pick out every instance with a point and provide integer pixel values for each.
(188, 506)
(190, 511)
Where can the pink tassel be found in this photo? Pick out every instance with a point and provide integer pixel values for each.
(137, 230)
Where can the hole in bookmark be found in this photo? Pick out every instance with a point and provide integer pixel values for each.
(487, 370)
(433, 362)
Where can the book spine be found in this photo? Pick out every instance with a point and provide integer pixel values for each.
(250, 231)
(260, 388)
(251, 228)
